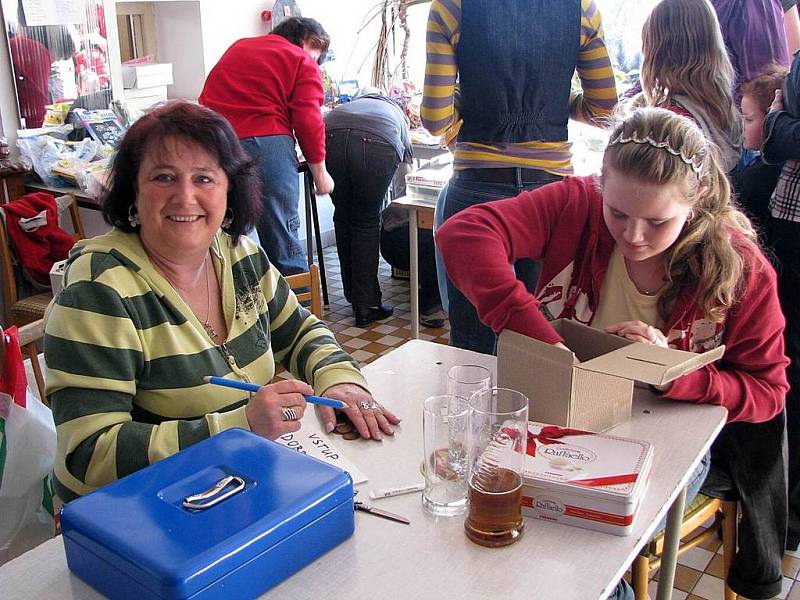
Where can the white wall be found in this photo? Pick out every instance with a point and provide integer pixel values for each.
(225, 21)
(177, 33)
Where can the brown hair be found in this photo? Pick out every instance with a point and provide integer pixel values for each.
(762, 87)
(657, 146)
(199, 125)
(302, 30)
(684, 53)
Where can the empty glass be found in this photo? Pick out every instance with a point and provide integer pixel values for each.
(497, 439)
(444, 427)
(465, 380)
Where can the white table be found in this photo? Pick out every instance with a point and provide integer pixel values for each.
(432, 558)
(420, 215)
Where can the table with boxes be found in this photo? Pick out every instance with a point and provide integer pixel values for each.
(432, 557)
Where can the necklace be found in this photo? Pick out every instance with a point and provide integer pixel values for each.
(212, 333)
(646, 291)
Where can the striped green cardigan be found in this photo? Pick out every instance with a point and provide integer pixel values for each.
(125, 356)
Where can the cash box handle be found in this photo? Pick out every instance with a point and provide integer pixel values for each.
(215, 494)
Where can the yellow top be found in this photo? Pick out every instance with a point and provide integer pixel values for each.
(620, 300)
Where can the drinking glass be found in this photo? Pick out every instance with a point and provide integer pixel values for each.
(444, 428)
(497, 438)
(465, 380)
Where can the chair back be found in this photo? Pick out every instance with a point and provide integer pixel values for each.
(309, 283)
(10, 275)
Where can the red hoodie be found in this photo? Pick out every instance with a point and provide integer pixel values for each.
(562, 224)
(268, 86)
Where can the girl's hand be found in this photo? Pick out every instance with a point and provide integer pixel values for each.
(637, 331)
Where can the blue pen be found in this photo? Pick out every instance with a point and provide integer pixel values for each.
(252, 387)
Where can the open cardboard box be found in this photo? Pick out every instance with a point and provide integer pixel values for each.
(597, 393)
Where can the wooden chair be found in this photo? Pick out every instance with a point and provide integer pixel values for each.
(310, 282)
(29, 336)
(19, 311)
(701, 510)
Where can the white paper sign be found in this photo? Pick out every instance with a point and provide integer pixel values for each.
(53, 12)
(311, 441)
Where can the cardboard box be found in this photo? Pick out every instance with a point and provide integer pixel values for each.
(146, 76)
(584, 479)
(144, 98)
(597, 393)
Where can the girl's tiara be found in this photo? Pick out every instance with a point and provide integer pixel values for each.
(695, 163)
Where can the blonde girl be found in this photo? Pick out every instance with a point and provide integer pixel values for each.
(653, 251)
(686, 69)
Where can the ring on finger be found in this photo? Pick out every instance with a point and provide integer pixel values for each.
(289, 414)
(375, 407)
(364, 405)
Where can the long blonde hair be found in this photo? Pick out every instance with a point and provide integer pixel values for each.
(684, 53)
(657, 146)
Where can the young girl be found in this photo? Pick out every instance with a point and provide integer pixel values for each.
(653, 251)
(687, 70)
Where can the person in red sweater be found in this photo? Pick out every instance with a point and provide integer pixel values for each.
(270, 89)
(654, 251)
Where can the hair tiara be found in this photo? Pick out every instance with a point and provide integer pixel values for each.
(695, 163)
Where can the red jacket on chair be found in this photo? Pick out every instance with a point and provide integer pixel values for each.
(37, 249)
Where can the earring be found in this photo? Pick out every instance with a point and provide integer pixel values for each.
(133, 216)
(226, 222)
(690, 216)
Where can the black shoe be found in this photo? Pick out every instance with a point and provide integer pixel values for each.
(433, 319)
(369, 314)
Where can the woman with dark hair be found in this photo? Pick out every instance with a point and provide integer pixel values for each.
(270, 89)
(173, 293)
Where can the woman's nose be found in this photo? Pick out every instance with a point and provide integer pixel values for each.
(634, 231)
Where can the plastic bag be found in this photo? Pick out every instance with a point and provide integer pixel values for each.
(27, 450)
(46, 153)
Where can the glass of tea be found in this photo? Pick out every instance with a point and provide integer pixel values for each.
(497, 435)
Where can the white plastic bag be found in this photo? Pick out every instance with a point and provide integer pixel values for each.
(27, 450)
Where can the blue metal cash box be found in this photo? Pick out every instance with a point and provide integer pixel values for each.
(229, 517)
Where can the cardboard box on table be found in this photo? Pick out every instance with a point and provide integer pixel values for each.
(590, 480)
(597, 393)
(135, 538)
(147, 75)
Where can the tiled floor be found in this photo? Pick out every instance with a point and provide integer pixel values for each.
(699, 572)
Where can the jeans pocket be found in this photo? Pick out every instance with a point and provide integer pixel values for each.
(380, 158)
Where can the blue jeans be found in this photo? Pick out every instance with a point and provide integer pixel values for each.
(280, 194)
(466, 329)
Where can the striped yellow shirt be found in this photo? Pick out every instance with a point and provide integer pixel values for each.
(126, 356)
(598, 98)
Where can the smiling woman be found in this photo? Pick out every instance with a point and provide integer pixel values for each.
(176, 292)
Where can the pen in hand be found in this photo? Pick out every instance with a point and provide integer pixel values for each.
(252, 387)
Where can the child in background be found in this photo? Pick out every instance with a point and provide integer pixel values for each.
(687, 70)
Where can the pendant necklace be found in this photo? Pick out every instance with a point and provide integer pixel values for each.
(212, 333)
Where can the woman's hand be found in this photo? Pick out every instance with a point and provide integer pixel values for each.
(777, 102)
(323, 182)
(638, 331)
(575, 360)
(370, 418)
(265, 410)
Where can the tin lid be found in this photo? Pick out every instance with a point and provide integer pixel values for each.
(142, 525)
(587, 464)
